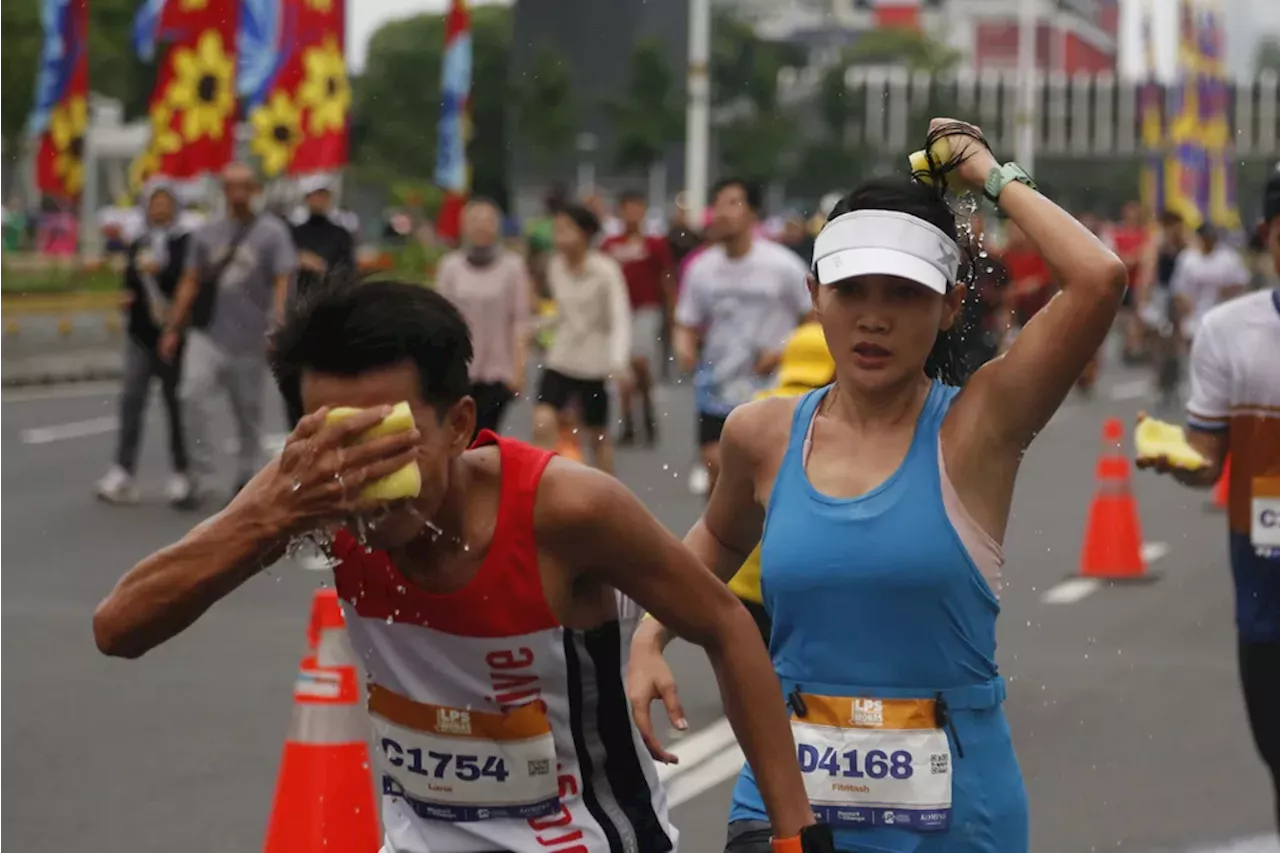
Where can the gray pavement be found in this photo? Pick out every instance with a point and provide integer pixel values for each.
(48, 348)
(1124, 703)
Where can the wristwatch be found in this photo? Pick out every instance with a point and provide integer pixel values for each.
(1001, 176)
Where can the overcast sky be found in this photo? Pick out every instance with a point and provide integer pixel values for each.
(1246, 20)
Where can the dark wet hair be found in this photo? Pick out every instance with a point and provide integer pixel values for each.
(946, 361)
(752, 192)
(586, 221)
(346, 326)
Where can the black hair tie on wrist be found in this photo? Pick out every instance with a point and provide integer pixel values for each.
(938, 171)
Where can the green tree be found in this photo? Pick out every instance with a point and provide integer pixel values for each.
(758, 147)
(746, 66)
(648, 116)
(899, 46)
(546, 113)
(393, 125)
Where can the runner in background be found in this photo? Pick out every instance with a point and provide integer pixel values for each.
(1235, 408)
(738, 302)
(1030, 287)
(648, 268)
(1207, 274)
(1130, 238)
(491, 287)
(1157, 308)
(591, 338)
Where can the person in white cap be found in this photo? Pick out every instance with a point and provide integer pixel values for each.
(887, 495)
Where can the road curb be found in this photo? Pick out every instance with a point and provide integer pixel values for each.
(61, 377)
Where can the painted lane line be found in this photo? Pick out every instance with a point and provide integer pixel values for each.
(715, 771)
(1072, 590)
(698, 747)
(62, 432)
(1254, 844)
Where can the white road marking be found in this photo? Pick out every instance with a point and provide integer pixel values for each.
(72, 391)
(1075, 589)
(62, 432)
(1256, 844)
(724, 766)
(697, 747)
(1134, 389)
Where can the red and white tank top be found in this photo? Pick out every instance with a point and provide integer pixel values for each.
(496, 728)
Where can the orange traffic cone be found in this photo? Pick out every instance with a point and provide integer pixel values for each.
(1222, 489)
(324, 795)
(1112, 536)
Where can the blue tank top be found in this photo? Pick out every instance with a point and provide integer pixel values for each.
(875, 591)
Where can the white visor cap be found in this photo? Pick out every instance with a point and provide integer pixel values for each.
(885, 242)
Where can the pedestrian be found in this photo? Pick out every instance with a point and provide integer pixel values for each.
(887, 495)
(1235, 407)
(738, 302)
(491, 287)
(153, 266)
(493, 598)
(591, 343)
(1207, 274)
(235, 280)
(648, 268)
(322, 244)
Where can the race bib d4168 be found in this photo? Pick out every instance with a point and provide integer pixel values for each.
(1264, 515)
(874, 762)
(457, 764)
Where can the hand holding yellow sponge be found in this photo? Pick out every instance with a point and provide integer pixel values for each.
(1153, 439)
(404, 483)
(941, 153)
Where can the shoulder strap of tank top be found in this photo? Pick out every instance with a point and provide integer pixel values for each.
(802, 419)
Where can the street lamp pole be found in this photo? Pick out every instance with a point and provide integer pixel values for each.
(697, 134)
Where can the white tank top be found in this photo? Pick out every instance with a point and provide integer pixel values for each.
(495, 728)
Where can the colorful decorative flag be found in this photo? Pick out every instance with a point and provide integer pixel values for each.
(1185, 163)
(193, 104)
(299, 112)
(1152, 178)
(453, 173)
(61, 115)
(1220, 152)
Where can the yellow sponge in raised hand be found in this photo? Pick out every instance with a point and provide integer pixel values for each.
(1153, 439)
(941, 151)
(406, 482)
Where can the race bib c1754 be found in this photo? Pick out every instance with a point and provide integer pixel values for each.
(1264, 516)
(874, 762)
(457, 764)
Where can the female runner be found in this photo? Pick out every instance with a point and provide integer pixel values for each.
(883, 499)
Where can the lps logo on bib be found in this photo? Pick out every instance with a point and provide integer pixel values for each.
(868, 712)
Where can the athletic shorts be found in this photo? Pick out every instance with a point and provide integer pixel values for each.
(709, 428)
(1260, 678)
(562, 392)
(646, 330)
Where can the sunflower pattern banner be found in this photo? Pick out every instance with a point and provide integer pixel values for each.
(193, 105)
(61, 115)
(299, 112)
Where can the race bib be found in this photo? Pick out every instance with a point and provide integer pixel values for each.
(874, 762)
(457, 764)
(1264, 512)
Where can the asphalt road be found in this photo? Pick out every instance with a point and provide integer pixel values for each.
(1123, 700)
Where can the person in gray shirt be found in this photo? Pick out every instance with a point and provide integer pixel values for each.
(236, 278)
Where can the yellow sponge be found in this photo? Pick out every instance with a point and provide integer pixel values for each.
(941, 151)
(1153, 439)
(404, 483)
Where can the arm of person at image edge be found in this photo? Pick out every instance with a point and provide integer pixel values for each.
(592, 524)
(168, 591)
(1007, 401)
(1208, 411)
(184, 297)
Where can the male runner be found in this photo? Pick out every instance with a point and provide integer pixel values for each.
(486, 613)
(1235, 407)
(739, 299)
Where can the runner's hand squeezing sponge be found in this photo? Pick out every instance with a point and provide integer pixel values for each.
(1153, 439)
(404, 483)
(940, 151)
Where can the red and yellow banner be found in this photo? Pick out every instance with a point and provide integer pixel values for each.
(193, 105)
(61, 117)
(300, 120)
